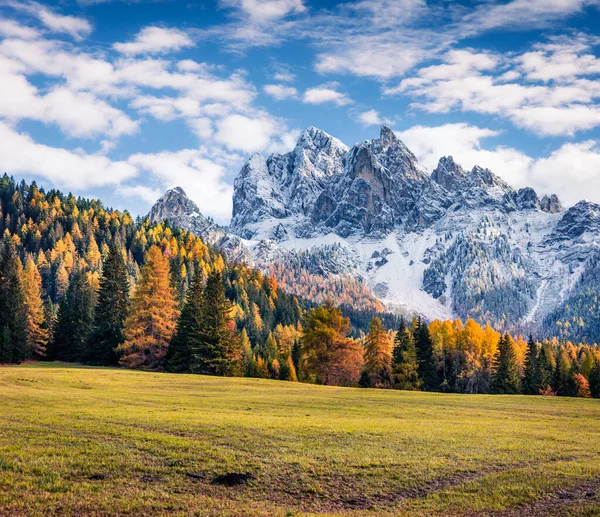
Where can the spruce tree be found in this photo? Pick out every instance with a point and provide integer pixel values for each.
(546, 362)
(215, 349)
(425, 361)
(179, 354)
(111, 311)
(405, 373)
(14, 346)
(595, 380)
(74, 321)
(532, 383)
(37, 330)
(563, 383)
(505, 370)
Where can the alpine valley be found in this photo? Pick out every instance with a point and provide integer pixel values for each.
(372, 228)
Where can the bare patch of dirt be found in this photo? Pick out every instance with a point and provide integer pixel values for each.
(233, 479)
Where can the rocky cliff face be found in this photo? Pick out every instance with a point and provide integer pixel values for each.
(443, 244)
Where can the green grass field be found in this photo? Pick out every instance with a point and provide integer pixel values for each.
(84, 441)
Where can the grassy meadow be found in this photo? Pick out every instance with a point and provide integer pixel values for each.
(93, 441)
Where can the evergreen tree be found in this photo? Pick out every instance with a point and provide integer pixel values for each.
(547, 362)
(74, 321)
(378, 355)
(425, 361)
(563, 382)
(14, 346)
(37, 331)
(152, 316)
(505, 373)
(216, 350)
(111, 311)
(595, 380)
(532, 383)
(405, 373)
(179, 353)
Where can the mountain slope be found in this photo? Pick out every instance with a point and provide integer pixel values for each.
(450, 243)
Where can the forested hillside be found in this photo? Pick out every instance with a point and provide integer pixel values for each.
(82, 283)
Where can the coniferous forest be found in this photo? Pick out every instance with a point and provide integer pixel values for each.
(83, 283)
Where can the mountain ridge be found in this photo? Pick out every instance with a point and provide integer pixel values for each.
(450, 243)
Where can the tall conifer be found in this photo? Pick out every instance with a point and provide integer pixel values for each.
(505, 370)
(152, 315)
(404, 360)
(425, 361)
(111, 311)
(532, 383)
(14, 346)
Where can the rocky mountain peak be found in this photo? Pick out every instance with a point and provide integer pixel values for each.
(448, 173)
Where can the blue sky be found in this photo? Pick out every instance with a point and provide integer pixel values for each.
(122, 100)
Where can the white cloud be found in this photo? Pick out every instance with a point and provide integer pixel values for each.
(264, 10)
(77, 28)
(12, 29)
(79, 114)
(572, 171)
(155, 40)
(21, 155)
(280, 91)
(148, 194)
(325, 93)
(284, 77)
(201, 177)
(241, 133)
(558, 100)
(522, 14)
(370, 118)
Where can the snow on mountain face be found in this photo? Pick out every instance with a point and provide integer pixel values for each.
(446, 244)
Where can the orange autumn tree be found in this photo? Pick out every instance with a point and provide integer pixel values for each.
(37, 333)
(377, 371)
(152, 317)
(329, 355)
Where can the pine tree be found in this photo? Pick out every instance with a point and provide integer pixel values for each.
(13, 317)
(152, 315)
(179, 353)
(425, 361)
(74, 321)
(532, 383)
(505, 372)
(37, 330)
(216, 350)
(111, 311)
(405, 373)
(378, 355)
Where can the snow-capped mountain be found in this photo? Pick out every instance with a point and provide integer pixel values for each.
(450, 243)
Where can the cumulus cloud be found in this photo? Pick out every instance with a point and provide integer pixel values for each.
(280, 91)
(77, 28)
(264, 10)
(572, 171)
(324, 94)
(155, 40)
(241, 133)
(12, 29)
(558, 100)
(21, 155)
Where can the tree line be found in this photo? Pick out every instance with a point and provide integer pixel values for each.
(82, 283)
